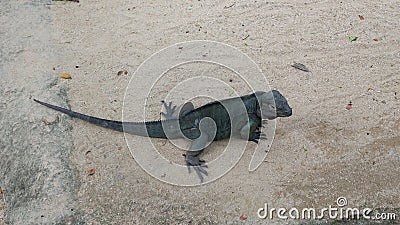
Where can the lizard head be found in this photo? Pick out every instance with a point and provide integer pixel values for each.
(272, 105)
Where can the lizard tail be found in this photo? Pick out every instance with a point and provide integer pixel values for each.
(146, 129)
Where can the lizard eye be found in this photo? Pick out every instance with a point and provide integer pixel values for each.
(272, 107)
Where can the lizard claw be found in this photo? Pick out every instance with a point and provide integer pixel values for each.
(257, 135)
(197, 164)
(169, 110)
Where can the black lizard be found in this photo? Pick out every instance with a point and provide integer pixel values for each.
(240, 116)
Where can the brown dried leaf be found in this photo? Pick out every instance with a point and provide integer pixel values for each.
(349, 106)
(243, 217)
(91, 172)
(119, 148)
(361, 17)
(120, 73)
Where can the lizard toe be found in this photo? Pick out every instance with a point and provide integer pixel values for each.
(197, 164)
(169, 110)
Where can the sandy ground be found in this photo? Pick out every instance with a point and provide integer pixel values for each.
(322, 152)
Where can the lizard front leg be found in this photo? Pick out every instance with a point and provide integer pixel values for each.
(252, 132)
(257, 135)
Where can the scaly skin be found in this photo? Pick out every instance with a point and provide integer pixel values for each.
(239, 116)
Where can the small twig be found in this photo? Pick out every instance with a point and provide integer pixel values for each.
(229, 6)
(67, 1)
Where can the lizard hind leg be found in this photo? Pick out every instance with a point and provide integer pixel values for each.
(208, 131)
(174, 112)
(169, 110)
(193, 160)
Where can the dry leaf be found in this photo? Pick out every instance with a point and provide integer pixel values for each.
(301, 67)
(349, 106)
(353, 38)
(243, 217)
(91, 172)
(119, 148)
(65, 76)
(361, 17)
(126, 72)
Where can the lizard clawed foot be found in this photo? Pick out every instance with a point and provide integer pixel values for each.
(169, 110)
(257, 135)
(198, 165)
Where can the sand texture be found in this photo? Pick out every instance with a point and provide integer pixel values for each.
(323, 151)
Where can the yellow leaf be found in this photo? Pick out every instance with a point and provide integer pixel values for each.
(65, 76)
